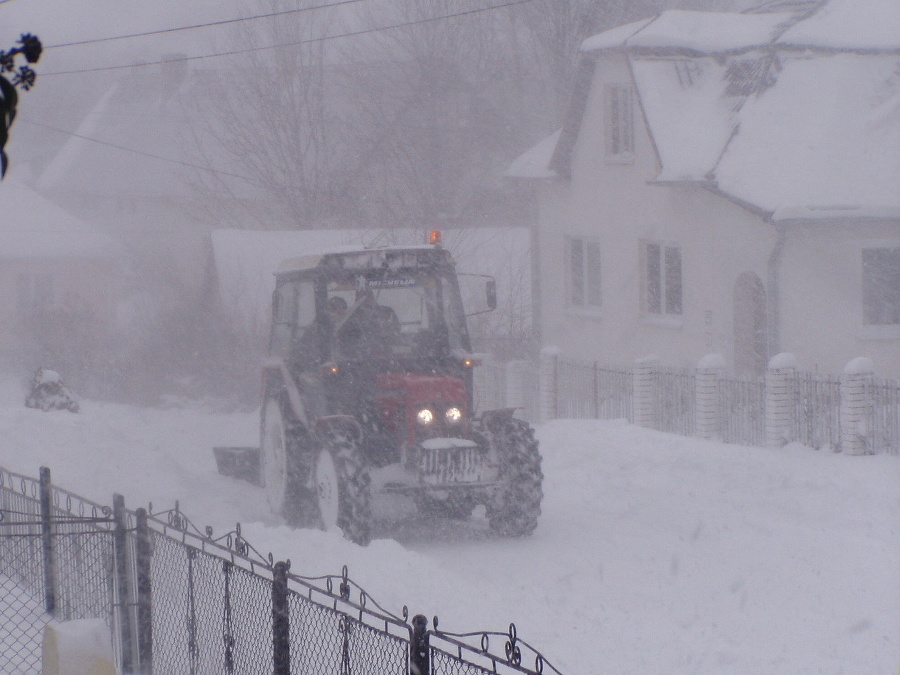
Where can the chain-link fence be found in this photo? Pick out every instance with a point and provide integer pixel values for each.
(58, 558)
(178, 600)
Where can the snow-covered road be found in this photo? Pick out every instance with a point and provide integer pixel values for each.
(655, 553)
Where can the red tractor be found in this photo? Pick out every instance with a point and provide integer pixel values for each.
(368, 388)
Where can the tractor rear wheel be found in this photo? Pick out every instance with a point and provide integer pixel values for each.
(342, 487)
(514, 509)
(284, 460)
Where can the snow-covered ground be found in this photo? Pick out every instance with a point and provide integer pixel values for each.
(655, 553)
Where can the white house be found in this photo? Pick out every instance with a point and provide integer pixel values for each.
(728, 183)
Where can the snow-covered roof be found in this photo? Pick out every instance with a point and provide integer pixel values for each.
(535, 162)
(731, 102)
(613, 38)
(690, 117)
(33, 227)
(708, 32)
(849, 24)
(828, 132)
(141, 140)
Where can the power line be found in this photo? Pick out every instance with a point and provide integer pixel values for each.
(326, 38)
(223, 22)
(139, 152)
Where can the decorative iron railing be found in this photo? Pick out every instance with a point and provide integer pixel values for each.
(180, 599)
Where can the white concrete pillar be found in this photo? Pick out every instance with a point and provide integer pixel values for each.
(855, 406)
(548, 374)
(644, 391)
(780, 399)
(709, 370)
(79, 647)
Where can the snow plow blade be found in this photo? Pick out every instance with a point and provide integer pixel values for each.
(240, 463)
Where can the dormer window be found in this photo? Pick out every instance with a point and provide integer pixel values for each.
(619, 123)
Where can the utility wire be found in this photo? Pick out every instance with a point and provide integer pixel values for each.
(223, 22)
(325, 38)
(138, 152)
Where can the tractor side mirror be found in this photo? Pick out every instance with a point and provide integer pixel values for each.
(491, 289)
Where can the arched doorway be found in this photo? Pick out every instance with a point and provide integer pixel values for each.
(750, 326)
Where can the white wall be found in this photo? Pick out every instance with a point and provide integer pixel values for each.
(822, 311)
(614, 203)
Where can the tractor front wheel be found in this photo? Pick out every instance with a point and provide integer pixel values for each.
(342, 487)
(515, 507)
(284, 463)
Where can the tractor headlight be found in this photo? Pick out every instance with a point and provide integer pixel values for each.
(453, 415)
(425, 416)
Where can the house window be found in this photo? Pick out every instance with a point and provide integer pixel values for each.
(663, 279)
(881, 286)
(584, 268)
(34, 292)
(619, 122)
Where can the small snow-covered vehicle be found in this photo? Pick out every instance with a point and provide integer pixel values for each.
(369, 388)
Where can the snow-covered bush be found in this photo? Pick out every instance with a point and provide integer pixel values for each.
(49, 393)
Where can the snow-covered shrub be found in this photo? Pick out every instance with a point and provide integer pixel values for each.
(49, 393)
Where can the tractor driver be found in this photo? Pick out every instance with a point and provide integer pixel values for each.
(335, 310)
(370, 329)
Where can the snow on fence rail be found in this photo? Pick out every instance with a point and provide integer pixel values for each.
(855, 413)
(178, 599)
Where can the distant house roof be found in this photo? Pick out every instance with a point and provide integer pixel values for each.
(707, 32)
(33, 227)
(849, 25)
(535, 162)
(731, 101)
(140, 140)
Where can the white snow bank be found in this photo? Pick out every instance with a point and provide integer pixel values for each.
(655, 553)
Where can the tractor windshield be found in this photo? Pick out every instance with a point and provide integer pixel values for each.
(398, 315)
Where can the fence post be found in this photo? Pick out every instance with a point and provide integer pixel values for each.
(120, 543)
(49, 552)
(780, 399)
(709, 370)
(643, 391)
(549, 384)
(281, 628)
(855, 406)
(419, 650)
(144, 552)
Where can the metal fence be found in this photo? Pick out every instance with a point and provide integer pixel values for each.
(593, 390)
(883, 419)
(674, 408)
(742, 410)
(816, 421)
(178, 599)
(558, 387)
(59, 554)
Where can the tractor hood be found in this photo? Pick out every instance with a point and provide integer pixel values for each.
(421, 388)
